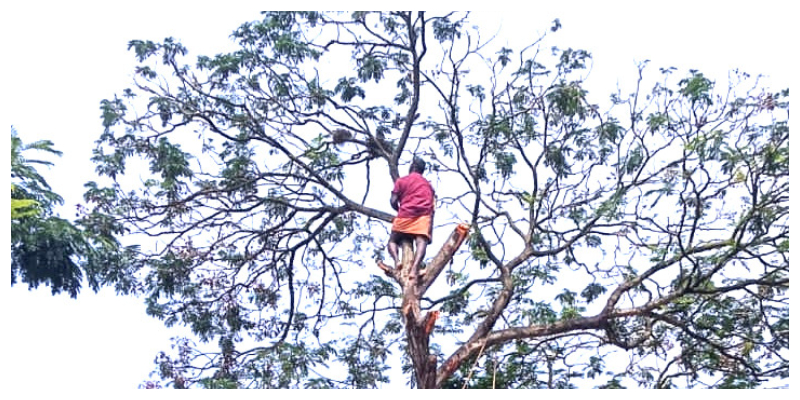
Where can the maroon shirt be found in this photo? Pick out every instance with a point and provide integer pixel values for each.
(415, 195)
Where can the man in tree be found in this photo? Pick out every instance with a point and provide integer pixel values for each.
(413, 198)
(672, 276)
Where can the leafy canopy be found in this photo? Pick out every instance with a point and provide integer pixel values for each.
(636, 241)
(47, 249)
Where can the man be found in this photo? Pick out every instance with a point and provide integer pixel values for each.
(413, 199)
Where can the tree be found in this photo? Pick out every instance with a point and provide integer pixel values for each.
(32, 190)
(655, 225)
(47, 249)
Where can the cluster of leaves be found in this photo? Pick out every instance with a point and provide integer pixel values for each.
(52, 251)
(643, 227)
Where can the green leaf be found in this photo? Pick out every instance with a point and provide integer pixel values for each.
(370, 67)
(697, 88)
(634, 161)
(593, 291)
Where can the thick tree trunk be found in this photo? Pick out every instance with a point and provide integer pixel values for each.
(419, 328)
(418, 345)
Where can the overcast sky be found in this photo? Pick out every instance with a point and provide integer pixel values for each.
(59, 60)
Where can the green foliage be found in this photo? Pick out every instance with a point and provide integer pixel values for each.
(348, 90)
(567, 99)
(653, 232)
(29, 183)
(21, 208)
(557, 160)
(613, 383)
(505, 164)
(48, 250)
(370, 68)
(477, 250)
(697, 88)
(46, 254)
(657, 121)
(610, 131)
(634, 161)
(593, 291)
(446, 30)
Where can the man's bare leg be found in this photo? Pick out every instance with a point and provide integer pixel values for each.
(392, 247)
(420, 245)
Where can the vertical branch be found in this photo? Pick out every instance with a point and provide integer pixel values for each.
(408, 279)
(418, 344)
(415, 81)
(418, 328)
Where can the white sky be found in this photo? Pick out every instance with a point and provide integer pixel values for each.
(60, 59)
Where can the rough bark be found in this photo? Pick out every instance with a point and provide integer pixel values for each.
(419, 327)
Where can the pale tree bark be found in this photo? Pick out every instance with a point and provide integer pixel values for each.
(419, 327)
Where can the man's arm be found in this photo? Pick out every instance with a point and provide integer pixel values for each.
(399, 187)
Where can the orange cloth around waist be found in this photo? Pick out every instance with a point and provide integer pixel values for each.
(415, 226)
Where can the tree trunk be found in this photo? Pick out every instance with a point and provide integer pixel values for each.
(418, 344)
(419, 328)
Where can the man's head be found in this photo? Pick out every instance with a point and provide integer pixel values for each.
(417, 165)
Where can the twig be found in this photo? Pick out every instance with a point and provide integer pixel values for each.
(474, 364)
